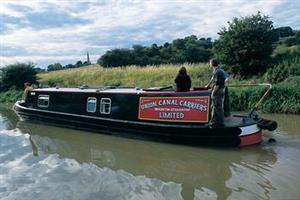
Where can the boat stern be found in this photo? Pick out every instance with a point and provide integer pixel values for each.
(250, 135)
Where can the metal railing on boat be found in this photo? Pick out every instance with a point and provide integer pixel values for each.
(252, 112)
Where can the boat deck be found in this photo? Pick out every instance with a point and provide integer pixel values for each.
(237, 121)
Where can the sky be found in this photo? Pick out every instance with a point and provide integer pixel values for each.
(47, 32)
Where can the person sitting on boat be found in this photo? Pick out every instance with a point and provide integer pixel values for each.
(27, 88)
(217, 95)
(183, 80)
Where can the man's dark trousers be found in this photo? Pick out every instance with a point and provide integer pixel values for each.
(217, 118)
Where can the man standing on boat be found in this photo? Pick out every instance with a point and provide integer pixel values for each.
(217, 83)
(27, 89)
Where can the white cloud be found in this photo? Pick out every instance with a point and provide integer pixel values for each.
(47, 59)
(111, 24)
(6, 10)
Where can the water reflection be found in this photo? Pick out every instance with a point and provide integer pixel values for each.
(203, 172)
(59, 163)
(8, 119)
(48, 176)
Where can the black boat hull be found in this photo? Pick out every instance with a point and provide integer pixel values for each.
(180, 134)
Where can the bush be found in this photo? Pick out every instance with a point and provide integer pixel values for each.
(244, 99)
(16, 75)
(246, 45)
(11, 96)
(284, 98)
(287, 63)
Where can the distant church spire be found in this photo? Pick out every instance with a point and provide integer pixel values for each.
(88, 58)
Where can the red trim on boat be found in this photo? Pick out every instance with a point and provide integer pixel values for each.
(251, 139)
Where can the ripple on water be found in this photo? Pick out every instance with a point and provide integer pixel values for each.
(267, 178)
(25, 176)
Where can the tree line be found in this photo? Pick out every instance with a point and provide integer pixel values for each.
(189, 49)
(58, 66)
(245, 47)
(249, 46)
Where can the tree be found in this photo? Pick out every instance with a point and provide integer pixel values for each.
(69, 66)
(54, 67)
(16, 75)
(85, 63)
(246, 45)
(285, 31)
(188, 49)
(117, 57)
(39, 70)
(78, 63)
(140, 57)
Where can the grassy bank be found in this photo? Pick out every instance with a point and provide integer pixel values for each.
(95, 75)
(10, 96)
(284, 98)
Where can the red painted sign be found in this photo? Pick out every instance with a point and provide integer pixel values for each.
(174, 109)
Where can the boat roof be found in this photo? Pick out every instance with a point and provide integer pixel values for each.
(91, 90)
(131, 90)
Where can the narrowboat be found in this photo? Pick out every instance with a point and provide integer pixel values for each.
(159, 113)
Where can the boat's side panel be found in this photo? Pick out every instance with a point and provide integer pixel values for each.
(123, 106)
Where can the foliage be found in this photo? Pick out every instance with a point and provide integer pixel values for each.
(285, 98)
(39, 70)
(79, 63)
(69, 66)
(286, 63)
(11, 95)
(16, 75)
(189, 49)
(246, 45)
(58, 66)
(290, 40)
(244, 98)
(282, 99)
(117, 57)
(284, 31)
(53, 67)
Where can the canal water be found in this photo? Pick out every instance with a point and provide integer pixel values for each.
(46, 162)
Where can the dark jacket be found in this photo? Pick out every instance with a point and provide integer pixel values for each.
(183, 82)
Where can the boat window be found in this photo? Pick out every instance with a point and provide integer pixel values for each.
(91, 104)
(43, 101)
(105, 106)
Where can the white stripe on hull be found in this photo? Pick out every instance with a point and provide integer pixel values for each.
(248, 130)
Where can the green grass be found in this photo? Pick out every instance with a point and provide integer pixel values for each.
(149, 76)
(284, 97)
(280, 100)
(10, 96)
